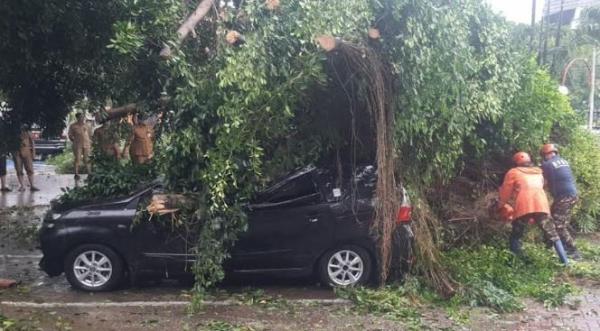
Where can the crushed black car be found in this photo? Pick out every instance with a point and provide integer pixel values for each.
(301, 226)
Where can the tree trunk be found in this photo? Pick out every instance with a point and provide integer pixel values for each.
(112, 113)
(188, 26)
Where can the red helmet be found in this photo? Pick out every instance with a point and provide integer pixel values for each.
(521, 159)
(548, 148)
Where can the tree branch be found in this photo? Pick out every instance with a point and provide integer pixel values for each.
(188, 26)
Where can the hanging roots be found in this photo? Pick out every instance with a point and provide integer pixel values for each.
(377, 90)
(376, 87)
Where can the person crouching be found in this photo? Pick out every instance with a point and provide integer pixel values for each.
(524, 185)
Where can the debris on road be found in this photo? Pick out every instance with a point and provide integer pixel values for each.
(6, 283)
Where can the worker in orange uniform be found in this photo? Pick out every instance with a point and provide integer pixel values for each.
(524, 187)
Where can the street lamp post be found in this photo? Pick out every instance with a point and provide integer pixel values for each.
(592, 89)
(592, 72)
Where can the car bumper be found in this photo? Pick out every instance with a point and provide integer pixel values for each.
(51, 267)
(53, 248)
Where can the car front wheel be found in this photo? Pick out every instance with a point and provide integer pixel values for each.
(345, 266)
(94, 268)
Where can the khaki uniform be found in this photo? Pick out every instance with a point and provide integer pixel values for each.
(80, 134)
(24, 156)
(107, 140)
(141, 148)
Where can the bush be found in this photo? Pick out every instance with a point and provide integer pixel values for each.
(109, 179)
(495, 278)
(63, 162)
(583, 153)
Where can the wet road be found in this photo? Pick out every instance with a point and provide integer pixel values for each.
(45, 178)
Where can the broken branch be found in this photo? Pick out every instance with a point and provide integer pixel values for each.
(188, 26)
(328, 43)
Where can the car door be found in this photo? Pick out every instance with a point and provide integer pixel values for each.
(161, 248)
(287, 232)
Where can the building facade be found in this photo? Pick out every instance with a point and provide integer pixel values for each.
(571, 10)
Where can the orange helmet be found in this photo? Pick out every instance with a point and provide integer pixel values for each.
(521, 159)
(548, 148)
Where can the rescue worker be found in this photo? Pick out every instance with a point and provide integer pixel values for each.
(140, 143)
(79, 134)
(107, 140)
(561, 183)
(23, 158)
(524, 186)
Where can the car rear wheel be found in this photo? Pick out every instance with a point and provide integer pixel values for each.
(345, 266)
(94, 268)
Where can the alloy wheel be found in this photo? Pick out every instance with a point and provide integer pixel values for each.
(345, 268)
(92, 268)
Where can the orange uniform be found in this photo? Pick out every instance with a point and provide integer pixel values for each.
(525, 187)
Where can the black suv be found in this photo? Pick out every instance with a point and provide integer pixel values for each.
(303, 225)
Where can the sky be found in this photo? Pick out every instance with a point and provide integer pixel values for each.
(517, 10)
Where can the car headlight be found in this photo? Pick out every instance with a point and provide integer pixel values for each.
(55, 216)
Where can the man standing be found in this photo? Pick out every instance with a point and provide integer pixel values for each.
(23, 158)
(79, 134)
(561, 184)
(3, 153)
(524, 185)
(3, 171)
(140, 143)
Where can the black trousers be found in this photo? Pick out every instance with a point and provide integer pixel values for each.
(2, 165)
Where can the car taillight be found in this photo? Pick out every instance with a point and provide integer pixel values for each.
(404, 214)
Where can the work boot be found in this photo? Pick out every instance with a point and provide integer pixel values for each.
(573, 253)
(560, 251)
(515, 248)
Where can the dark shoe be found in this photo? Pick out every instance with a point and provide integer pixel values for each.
(574, 254)
(21, 189)
(34, 189)
(5, 189)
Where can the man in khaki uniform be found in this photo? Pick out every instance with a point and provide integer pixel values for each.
(80, 134)
(141, 141)
(23, 158)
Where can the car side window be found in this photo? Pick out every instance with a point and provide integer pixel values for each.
(301, 190)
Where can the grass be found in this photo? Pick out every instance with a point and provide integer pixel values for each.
(490, 276)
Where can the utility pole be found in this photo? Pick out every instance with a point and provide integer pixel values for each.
(533, 9)
(592, 89)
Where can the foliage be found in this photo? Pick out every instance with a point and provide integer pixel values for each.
(109, 179)
(64, 162)
(536, 112)
(224, 326)
(494, 277)
(583, 153)
(52, 56)
(238, 116)
(444, 95)
(391, 301)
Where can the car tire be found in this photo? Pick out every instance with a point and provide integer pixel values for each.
(94, 268)
(345, 266)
